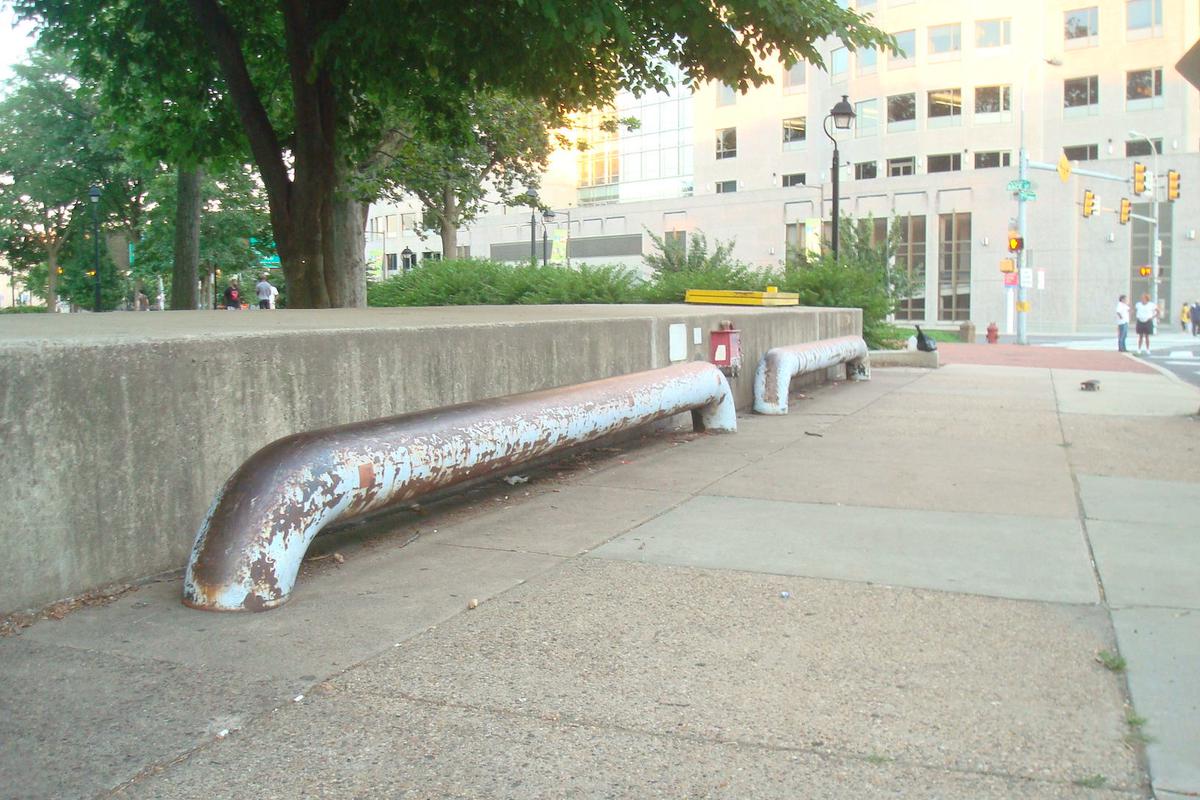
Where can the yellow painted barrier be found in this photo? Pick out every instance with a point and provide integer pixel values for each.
(731, 297)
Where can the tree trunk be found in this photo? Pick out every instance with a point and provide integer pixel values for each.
(349, 289)
(51, 279)
(185, 272)
(449, 217)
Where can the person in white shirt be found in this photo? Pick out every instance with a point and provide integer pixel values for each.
(1122, 323)
(1146, 312)
(263, 289)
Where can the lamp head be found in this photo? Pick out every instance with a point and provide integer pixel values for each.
(94, 193)
(842, 113)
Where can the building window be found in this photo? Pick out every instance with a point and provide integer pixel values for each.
(1082, 152)
(866, 118)
(945, 162)
(1143, 89)
(902, 112)
(794, 179)
(675, 241)
(898, 167)
(390, 263)
(944, 107)
(1081, 96)
(865, 170)
(867, 60)
(1143, 18)
(726, 187)
(1140, 147)
(993, 100)
(794, 133)
(945, 41)
(910, 262)
(726, 143)
(954, 267)
(906, 50)
(995, 158)
(993, 33)
(726, 95)
(839, 63)
(1081, 27)
(793, 78)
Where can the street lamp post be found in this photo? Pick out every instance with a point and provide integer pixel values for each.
(94, 194)
(406, 259)
(547, 218)
(842, 115)
(531, 200)
(1154, 245)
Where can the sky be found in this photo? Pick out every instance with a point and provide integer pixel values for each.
(13, 42)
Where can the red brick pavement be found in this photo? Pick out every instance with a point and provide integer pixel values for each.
(1013, 355)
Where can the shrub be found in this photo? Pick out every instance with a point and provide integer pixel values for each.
(481, 282)
(23, 310)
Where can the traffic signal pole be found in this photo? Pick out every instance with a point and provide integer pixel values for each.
(1022, 291)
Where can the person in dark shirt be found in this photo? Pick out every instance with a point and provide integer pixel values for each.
(233, 295)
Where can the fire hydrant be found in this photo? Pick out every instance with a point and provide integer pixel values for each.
(993, 333)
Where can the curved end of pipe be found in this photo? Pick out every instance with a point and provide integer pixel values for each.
(771, 382)
(719, 416)
(248, 550)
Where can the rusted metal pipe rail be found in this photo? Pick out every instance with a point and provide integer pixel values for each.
(249, 547)
(781, 364)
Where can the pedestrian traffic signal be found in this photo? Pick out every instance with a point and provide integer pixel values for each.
(60, 270)
(1089, 203)
(1145, 272)
(1126, 210)
(1139, 178)
(1172, 185)
(1008, 265)
(1016, 244)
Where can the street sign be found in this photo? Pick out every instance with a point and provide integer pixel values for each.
(1007, 265)
(1023, 305)
(1027, 278)
(1017, 185)
(1010, 279)
(1064, 168)
(1029, 195)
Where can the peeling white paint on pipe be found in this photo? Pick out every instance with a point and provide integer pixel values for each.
(781, 364)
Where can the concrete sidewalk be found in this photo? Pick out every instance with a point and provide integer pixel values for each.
(904, 588)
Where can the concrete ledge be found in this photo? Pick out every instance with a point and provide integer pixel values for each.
(904, 358)
(119, 428)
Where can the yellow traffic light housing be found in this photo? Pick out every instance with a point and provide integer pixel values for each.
(1172, 185)
(1016, 243)
(1139, 178)
(1008, 265)
(1089, 202)
(59, 270)
(1126, 210)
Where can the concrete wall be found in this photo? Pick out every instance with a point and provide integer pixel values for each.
(118, 429)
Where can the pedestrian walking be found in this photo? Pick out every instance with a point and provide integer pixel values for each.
(1185, 317)
(265, 291)
(233, 296)
(1196, 318)
(1146, 313)
(1122, 323)
(274, 296)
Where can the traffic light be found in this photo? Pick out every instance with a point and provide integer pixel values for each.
(1145, 272)
(1008, 265)
(1015, 243)
(1139, 178)
(1172, 185)
(1126, 210)
(1089, 202)
(59, 270)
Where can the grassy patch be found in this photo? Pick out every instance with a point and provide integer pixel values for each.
(1111, 661)
(875, 758)
(1136, 723)
(1091, 782)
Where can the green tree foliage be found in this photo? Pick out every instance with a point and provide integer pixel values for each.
(235, 229)
(345, 67)
(505, 150)
(51, 152)
(472, 282)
